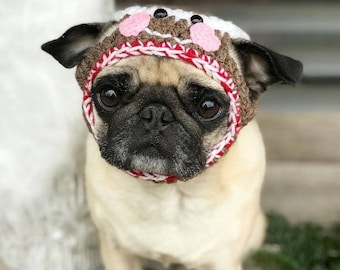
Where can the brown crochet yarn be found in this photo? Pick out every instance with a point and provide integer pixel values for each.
(180, 30)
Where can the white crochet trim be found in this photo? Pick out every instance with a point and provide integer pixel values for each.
(149, 176)
(216, 23)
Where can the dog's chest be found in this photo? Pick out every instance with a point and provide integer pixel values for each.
(163, 222)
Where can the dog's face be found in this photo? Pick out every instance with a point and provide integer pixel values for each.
(160, 115)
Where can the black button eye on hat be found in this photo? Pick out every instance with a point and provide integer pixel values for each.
(196, 19)
(160, 13)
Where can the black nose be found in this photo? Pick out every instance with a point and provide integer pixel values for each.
(156, 116)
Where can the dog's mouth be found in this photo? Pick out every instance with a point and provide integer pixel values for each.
(151, 150)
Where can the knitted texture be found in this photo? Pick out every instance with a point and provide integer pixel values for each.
(142, 32)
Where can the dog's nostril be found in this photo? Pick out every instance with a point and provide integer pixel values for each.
(167, 116)
(146, 113)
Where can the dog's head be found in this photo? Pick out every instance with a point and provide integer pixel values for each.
(166, 91)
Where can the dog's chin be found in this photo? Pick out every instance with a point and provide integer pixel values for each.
(150, 158)
(160, 165)
(153, 160)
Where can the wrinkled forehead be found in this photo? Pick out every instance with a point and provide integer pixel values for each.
(215, 23)
(154, 70)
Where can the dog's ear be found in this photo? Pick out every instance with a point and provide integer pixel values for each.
(71, 47)
(262, 67)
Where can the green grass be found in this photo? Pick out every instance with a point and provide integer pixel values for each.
(303, 246)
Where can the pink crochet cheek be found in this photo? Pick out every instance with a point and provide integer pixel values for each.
(135, 24)
(204, 36)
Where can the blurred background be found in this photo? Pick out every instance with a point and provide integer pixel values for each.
(44, 223)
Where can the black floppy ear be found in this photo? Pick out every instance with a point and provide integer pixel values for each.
(71, 47)
(262, 67)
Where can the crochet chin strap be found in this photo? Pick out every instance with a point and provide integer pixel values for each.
(198, 40)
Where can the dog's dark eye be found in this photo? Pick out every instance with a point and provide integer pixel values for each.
(160, 13)
(196, 19)
(208, 108)
(109, 98)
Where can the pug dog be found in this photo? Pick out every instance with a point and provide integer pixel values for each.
(175, 160)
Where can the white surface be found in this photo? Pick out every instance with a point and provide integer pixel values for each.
(42, 130)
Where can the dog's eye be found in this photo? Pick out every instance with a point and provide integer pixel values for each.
(208, 108)
(109, 98)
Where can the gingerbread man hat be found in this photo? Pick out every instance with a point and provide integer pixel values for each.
(201, 41)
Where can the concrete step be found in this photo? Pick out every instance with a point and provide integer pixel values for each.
(301, 135)
(301, 128)
(303, 191)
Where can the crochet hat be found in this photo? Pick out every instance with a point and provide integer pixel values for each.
(201, 41)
